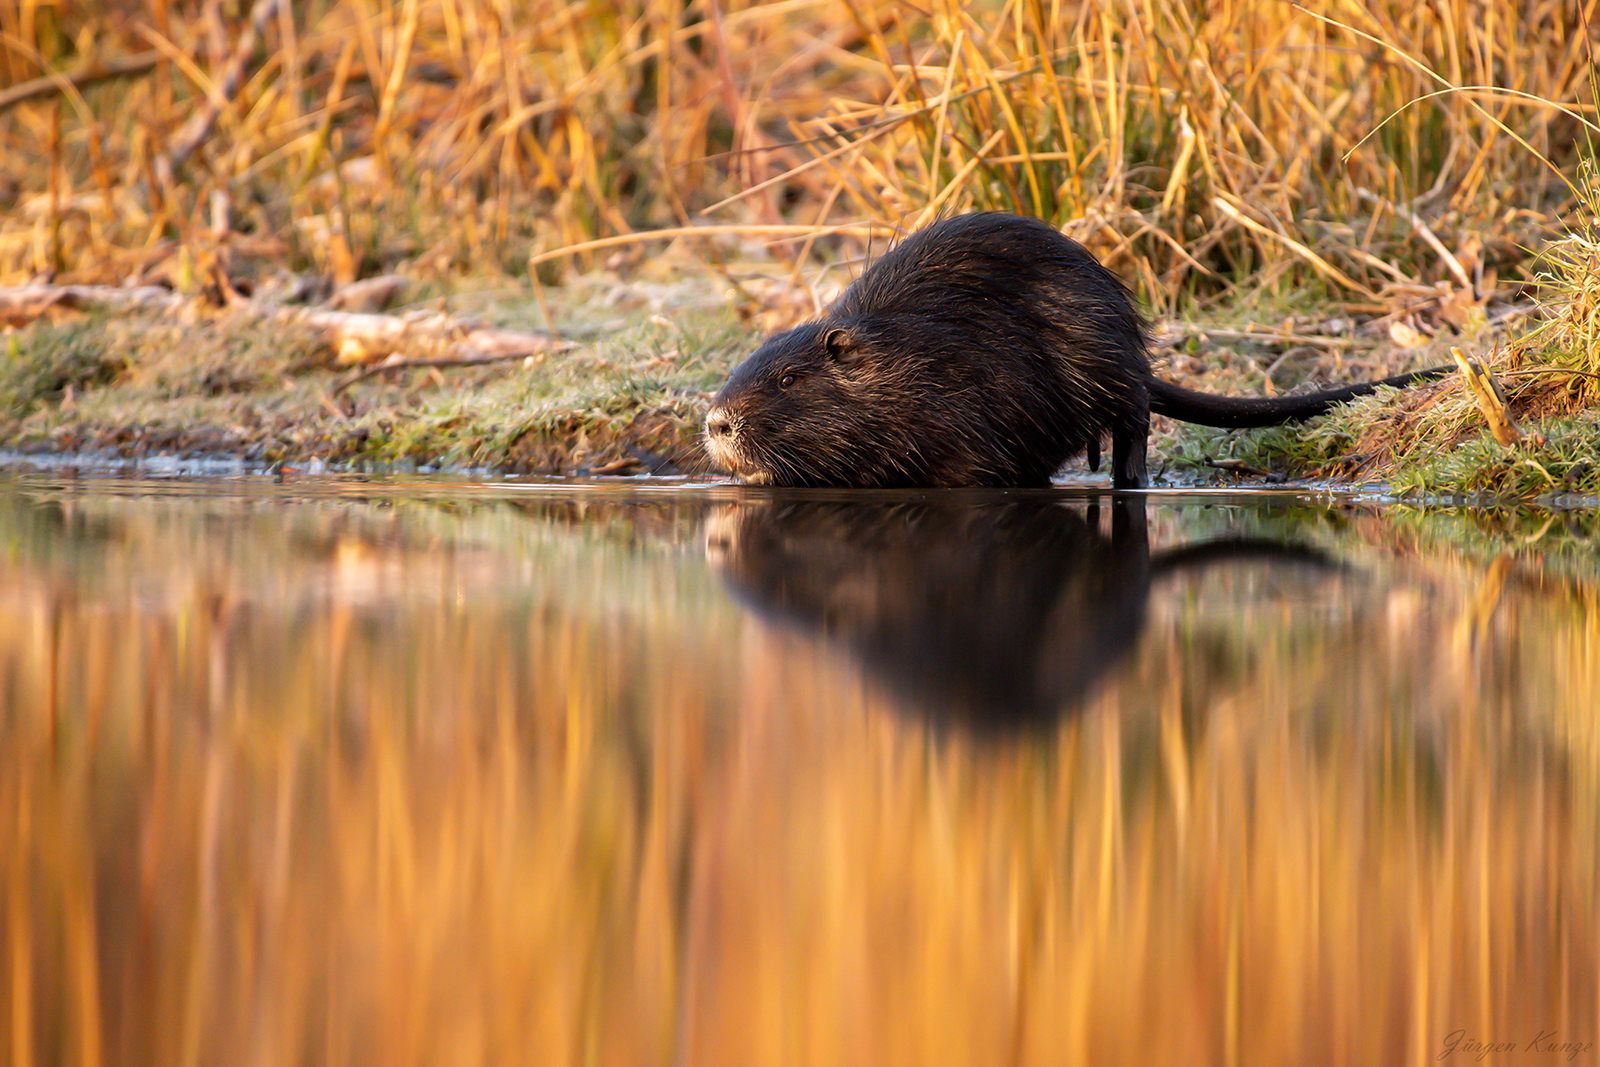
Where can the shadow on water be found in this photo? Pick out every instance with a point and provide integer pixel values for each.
(430, 772)
(998, 615)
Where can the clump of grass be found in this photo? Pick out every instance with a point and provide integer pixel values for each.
(42, 364)
(1563, 462)
(1431, 443)
(1424, 442)
(234, 355)
(1274, 449)
(1553, 374)
(1570, 289)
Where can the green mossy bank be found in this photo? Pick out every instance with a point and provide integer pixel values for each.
(268, 394)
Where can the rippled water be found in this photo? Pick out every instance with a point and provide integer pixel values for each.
(330, 771)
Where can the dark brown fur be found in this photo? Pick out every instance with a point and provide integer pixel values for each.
(985, 350)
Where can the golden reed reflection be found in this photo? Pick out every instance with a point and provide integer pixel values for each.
(376, 781)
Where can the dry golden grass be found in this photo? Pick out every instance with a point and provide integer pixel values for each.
(1243, 140)
(1572, 279)
(1246, 141)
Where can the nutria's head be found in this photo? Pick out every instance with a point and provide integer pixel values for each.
(797, 412)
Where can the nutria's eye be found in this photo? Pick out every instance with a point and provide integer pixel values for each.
(837, 342)
(786, 381)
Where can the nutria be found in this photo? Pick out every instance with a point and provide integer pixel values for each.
(984, 350)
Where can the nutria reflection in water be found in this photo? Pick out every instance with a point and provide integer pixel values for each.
(997, 615)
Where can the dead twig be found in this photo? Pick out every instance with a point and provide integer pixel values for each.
(778, 231)
(1534, 372)
(199, 126)
(616, 466)
(332, 407)
(1183, 331)
(367, 337)
(1347, 462)
(91, 73)
(358, 337)
(1236, 213)
(1235, 466)
(21, 304)
(393, 363)
(1422, 230)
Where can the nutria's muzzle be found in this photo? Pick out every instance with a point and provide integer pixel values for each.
(721, 439)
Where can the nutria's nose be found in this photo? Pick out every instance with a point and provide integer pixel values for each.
(717, 424)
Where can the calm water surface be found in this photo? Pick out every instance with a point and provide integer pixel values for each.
(328, 771)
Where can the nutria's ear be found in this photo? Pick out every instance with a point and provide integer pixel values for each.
(837, 342)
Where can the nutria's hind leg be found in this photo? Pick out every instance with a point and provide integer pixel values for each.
(1127, 458)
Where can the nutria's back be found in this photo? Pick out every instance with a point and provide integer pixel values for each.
(986, 349)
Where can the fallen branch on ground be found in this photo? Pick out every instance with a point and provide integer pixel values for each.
(375, 341)
(21, 304)
(394, 363)
(1236, 466)
(1176, 332)
(91, 73)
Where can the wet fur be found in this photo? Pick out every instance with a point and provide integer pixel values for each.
(984, 350)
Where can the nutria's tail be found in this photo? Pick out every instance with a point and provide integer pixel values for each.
(1239, 412)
